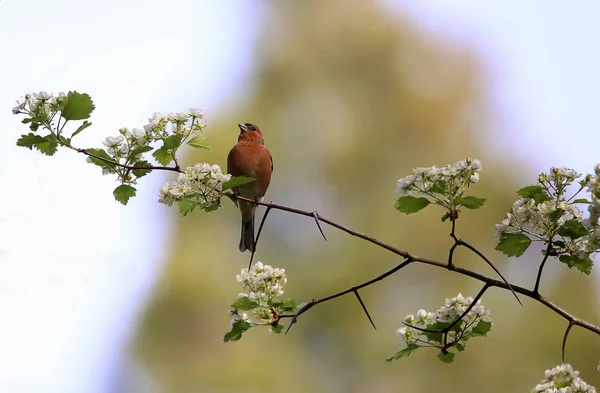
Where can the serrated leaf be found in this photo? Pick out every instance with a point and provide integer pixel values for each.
(162, 156)
(403, 352)
(141, 172)
(99, 162)
(460, 347)
(581, 200)
(409, 204)
(82, 127)
(30, 140)
(573, 229)
(77, 106)
(49, 146)
(583, 265)
(469, 202)
(537, 193)
(186, 206)
(28, 120)
(123, 193)
(277, 329)
(172, 142)
(513, 244)
(288, 305)
(482, 328)
(237, 329)
(200, 142)
(244, 303)
(209, 208)
(236, 181)
(447, 357)
(45, 144)
(139, 150)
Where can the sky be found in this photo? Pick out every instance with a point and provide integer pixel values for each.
(75, 266)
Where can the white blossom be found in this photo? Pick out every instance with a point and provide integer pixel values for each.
(562, 379)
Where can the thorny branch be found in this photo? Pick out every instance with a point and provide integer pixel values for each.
(408, 259)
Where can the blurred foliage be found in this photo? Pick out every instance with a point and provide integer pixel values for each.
(351, 97)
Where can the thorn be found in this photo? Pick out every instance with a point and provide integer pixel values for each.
(364, 309)
(316, 217)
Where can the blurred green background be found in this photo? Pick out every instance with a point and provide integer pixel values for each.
(350, 98)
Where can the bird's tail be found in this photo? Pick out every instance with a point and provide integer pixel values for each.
(247, 236)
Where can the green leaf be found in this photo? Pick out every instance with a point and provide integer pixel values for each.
(30, 140)
(39, 118)
(172, 142)
(583, 265)
(162, 156)
(403, 352)
(139, 150)
(49, 146)
(573, 229)
(46, 144)
(581, 200)
(410, 204)
(123, 193)
(482, 328)
(460, 347)
(277, 329)
(447, 357)
(236, 181)
(141, 172)
(437, 337)
(82, 127)
(232, 198)
(77, 106)
(237, 329)
(210, 207)
(438, 187)
(469, 202)
(186, 206)
(99, 162)
(288, 305)
(200, 142)
(513, 244)
(244, 303)
(537, 193)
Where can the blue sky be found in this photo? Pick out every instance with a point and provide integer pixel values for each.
(73, 262)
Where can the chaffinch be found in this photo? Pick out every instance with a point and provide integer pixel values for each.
(249, 157)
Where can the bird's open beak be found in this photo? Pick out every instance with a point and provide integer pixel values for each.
(243, 127)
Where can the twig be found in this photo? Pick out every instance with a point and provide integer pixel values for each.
(539, 275)
(564, 342)
(262, 222)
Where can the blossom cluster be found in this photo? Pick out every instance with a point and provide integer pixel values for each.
(545, 213)
(40, 104)
(262, 284)
(476, 322)
(452, 179)
(562, 379)
(443, 186)
(185, 123)
(201, 184)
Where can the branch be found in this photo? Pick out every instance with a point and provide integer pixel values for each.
(148, 167)
(409, 258)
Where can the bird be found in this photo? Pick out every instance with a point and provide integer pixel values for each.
(249, 157)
